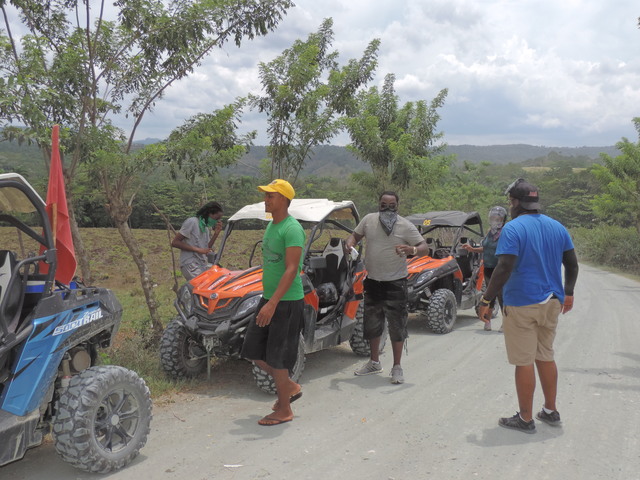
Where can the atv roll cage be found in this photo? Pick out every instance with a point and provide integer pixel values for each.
(17, 278)
(455, 222)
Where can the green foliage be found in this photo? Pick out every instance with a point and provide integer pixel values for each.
(306, 93)
(204, 143)
(612, 246)
(619, 204)
(398, 142)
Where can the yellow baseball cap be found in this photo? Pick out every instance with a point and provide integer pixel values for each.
(280, 186)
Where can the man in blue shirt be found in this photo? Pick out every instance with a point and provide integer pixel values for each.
(532, 250)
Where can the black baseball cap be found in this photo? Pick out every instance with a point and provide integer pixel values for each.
(526, 193)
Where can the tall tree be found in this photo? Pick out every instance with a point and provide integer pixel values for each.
(399, 142)
(620, 179)
(306, 94)
(79, 68)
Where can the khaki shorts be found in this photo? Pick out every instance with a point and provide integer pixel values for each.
(529, 332)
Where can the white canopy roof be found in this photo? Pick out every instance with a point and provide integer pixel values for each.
(304, 209)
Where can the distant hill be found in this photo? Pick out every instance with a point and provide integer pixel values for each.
(502, 154)
(328, 160)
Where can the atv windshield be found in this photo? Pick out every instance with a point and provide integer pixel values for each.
(321, 219)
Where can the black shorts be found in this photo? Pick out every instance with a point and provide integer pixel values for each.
(276, 343)
(385, 301)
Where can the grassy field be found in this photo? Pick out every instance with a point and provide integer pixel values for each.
(112, 267)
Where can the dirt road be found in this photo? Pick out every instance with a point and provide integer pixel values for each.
(441, 424)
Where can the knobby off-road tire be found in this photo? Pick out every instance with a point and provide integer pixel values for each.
(442, 311)
(357, 342)
(266, 382)
(102, 419)
(180, 354)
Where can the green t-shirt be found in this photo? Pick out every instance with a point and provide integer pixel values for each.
(277, 238)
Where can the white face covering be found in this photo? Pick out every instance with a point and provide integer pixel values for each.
(495, 225)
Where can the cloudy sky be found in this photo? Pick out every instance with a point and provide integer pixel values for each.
(541, 72)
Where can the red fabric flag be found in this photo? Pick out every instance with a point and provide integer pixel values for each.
(59, 214)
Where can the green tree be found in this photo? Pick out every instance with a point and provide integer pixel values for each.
(78, 68)
(306, 93)
(399, 142)
(620, 180)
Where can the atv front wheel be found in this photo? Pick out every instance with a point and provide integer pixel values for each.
(102, 419)
(180, 354)
(266, 382)
(357, 342)
(442, 311)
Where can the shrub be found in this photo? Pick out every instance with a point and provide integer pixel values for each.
(609, 246)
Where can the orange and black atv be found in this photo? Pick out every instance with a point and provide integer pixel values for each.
(215, 308)
(449, 277)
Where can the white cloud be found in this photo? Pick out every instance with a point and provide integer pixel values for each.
(546, 72)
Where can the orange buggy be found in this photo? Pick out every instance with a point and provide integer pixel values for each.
(215, 308)
(449, 277)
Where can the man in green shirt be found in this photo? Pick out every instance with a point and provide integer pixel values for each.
(271, 342)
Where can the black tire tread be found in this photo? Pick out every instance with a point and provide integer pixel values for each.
(75, 412)
(437, 319)
(172, 346)
(266, 382)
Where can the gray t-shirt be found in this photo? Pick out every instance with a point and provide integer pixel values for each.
(381, 260)
(193, 236)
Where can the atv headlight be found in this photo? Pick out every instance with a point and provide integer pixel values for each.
(247, 306)
(424, 277)
(186, 299)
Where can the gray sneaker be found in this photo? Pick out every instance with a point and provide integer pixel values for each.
(397, 374)
(552, 418)
(369, 368)
(517, 423)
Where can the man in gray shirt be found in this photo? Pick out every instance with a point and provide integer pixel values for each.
(195, 240)
(389, 239)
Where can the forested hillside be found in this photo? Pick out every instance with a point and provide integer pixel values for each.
(337, 161)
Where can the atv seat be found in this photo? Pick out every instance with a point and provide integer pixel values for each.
(336, 271)
(7, 263)
(431, 245)
(464, 262)
(331, 266)
(11, 295)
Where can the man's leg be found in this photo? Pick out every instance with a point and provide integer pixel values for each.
(282, 412)
(548, 373)
(525, 386)
(397, 352)
(374, 344)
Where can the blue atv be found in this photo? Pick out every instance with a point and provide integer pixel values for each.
(50, 335)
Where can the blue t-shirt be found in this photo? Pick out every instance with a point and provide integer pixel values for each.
(539, 243)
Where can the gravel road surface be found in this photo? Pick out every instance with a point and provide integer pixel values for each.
(441, 424)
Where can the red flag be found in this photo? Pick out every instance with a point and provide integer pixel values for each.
(59, 215)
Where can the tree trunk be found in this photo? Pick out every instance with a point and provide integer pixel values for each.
(120, 212)
(78, 245)
(145, 275)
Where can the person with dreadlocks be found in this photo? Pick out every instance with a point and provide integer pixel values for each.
(195, 239)
(497, 219)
